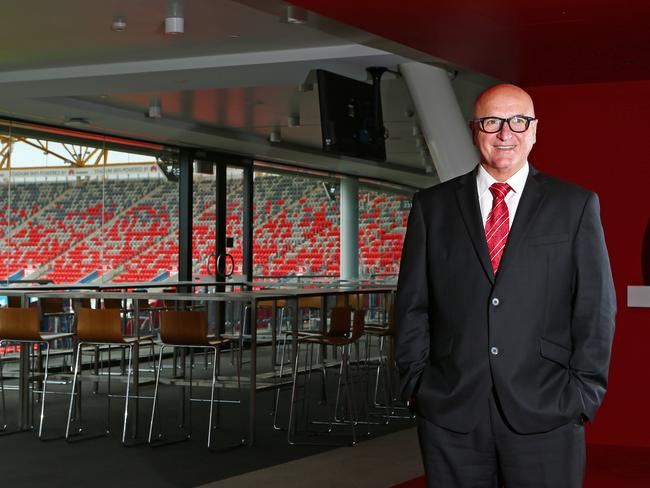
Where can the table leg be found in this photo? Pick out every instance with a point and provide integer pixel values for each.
(135, 364)
(323, 325)
(135, 377)
(253, 373)
(274, 334)
(294, 329)
(23, 389)
(23, 380)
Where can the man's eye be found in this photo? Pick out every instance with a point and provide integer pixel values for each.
(490, 123)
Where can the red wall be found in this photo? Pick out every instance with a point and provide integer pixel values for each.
(598, 136)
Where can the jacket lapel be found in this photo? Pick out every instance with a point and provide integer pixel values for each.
(530, 203)
(467, 198)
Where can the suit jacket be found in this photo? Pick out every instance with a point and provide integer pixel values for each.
(539, 333)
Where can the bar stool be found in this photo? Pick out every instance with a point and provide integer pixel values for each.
(384, 334)
(356, 301)
(310, 305)
(187, 329)
(337, 328)
(305, 305)
(58, 317)
(379, 324)
(280, 306)
(244, 331)
(146, 315)
(341, 318)
(103, 327)
(22, 326)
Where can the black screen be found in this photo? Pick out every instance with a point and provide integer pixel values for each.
(351, 118)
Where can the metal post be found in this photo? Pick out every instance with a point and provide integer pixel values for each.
(349, 228)
(221, 192)
(185, 160)
(247, 231)
(253, 373)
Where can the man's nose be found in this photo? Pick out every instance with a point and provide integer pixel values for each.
(505, 133)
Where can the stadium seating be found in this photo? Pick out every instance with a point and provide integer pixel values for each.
(127, 231)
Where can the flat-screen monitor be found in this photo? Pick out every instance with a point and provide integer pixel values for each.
(350, 115)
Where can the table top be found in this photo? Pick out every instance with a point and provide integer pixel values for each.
(232, 296)
(121, 286)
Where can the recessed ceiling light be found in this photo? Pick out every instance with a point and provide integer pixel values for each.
(174, 20)
(119, 23)
(154, 111)
(294, 15)
(275, 135)
(76, 122)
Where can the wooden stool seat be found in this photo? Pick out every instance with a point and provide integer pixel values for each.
(187, 328)
(104, 327)
(22, 326)
(344, 331)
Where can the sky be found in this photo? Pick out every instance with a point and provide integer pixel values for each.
(24, 155)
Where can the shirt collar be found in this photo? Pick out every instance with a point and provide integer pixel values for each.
(517, 181)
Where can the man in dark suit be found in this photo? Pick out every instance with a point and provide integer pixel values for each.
(505, 313)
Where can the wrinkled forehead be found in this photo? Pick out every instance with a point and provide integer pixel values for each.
(504, 101)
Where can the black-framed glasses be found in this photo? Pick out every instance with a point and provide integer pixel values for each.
(517, 123)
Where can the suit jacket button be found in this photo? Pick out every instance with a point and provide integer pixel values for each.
(494, 351)
(495, 301)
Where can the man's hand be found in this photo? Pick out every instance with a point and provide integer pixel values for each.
(410, 404)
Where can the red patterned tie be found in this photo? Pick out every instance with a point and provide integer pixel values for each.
(497, 225)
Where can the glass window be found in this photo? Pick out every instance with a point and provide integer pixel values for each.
(235, 217)
(81, 208)
(296, 224)
(383, 217)
(205, 221)
(141, 227)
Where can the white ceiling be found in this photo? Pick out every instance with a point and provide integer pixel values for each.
(225, 84)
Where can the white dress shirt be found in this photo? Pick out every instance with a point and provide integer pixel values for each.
(517, 182)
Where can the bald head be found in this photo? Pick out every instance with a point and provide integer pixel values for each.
(504, 151)
(502, 96)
